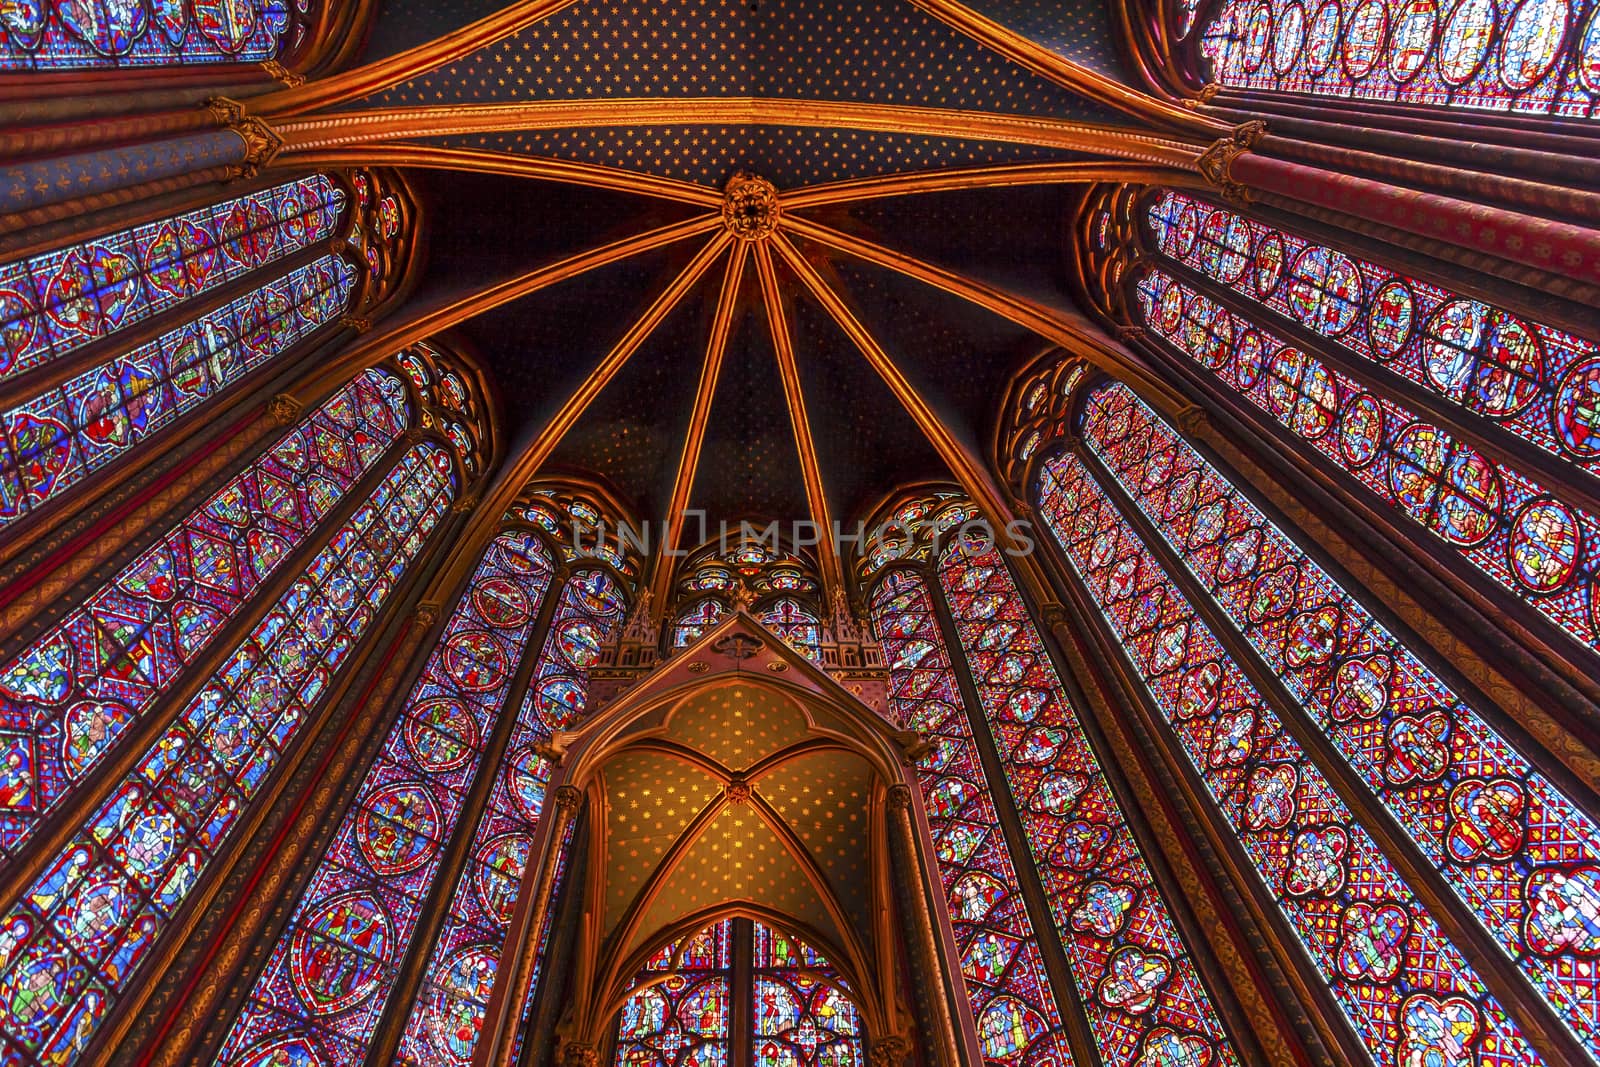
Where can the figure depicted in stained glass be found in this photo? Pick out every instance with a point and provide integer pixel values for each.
(58, 35)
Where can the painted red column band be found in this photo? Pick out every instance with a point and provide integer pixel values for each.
(1557, 247)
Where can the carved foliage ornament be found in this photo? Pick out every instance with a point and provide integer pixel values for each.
(750, 207)
(1216, 162)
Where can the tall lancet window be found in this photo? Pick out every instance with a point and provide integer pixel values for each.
(349, 504)
(110, 341)
(1133, 978)
(1007, 985)
(48, 35)
(1466, 419)
(331, 977)
(1518, 854)
(1534, 57)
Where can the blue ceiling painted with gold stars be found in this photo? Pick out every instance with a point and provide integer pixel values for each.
(866, 51)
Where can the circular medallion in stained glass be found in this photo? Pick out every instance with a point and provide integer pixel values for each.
(1391, 318)
(1257, 37)
(1225, 246)
(1415, 26)
(1169, 309)
(1575, 410)
(1249, 360)
(1269, 260)
(454, 1005)
(529, 772)
(499, 874)
(578, 641)
(1483, 358)
(1531, 42)
(441, 734)
(397, 828)
(1588, 59)
(560, 700)
(475, 661)
(339, 952)
(280, 1051)
(1361, 430)
(1464, 41)
(1324, 290)
(1445, 485)
(1322, 39)
(1288, 40)
(1363, 39)
(501, 602)
(1545, 545)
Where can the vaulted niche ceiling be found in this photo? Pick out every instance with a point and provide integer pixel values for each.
(641, 75)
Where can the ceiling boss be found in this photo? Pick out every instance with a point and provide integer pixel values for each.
(750, 207)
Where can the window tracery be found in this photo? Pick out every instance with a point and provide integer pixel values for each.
(59, 35)
(1533, 57)
(1516, 851)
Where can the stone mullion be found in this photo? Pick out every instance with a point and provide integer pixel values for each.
(1069, 998)
(457, 852)
(953, 1038)
(1544, 1030)
(1567, 480)
(1127, 776)
(539, 1040)
(741, 1020)
(70, 814)
(1202, 849)
(254, 892)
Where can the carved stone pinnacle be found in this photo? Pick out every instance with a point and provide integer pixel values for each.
(750, 207)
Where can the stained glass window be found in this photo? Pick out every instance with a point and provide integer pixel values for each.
(52, 442)
(1140, 991)
(80, 35)
(57, 302)
(448, 1012)
(1537, 56)
(1379, 950)
(1006, 983)
(333, 965)
(803, 1015)
(74, 942)
(1540, 548)
(795, 626)
(70, 695)
(683, 1006)
(1520, 855)
(1540, 383)
(699, 618)
(679, 1012)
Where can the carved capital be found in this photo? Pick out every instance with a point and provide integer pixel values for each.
(574, 1054)
(1216, 167)
(284, 409)
(427, 613)
(750, 207)
(1053, 615)
(1129, 334)
(1193, 420)
(225, 111)
(1249, 134)
(569, 799)
(282, 74)
(358, 323)
(465, 504)
(891, 1051)
(900, 797)
(261, 145)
